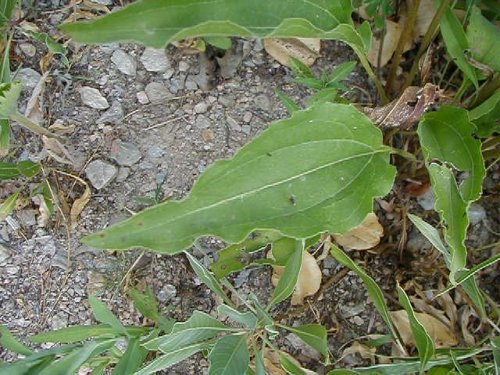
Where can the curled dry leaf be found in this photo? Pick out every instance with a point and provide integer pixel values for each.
(308, 282)
(80, 203)
(467, 316)
(44, 217)
(364, 351)
(364, 236)
(391, 39)
(58, 151)
(303, 49)
(273, 365)
(34, 107)
(440, 333)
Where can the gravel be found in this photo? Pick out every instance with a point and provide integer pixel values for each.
(157, 92)
(154, 60)
(93, 98)
(100, 173)
(124, 62)
(124, 153)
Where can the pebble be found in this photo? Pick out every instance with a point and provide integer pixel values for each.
(93, 98)
(29, 78)
(201, 107)
(191, 85)
(4, 253)
(142, 97)
(125, 153)
(358, 321)
(123, 173)
(96, 282)
(427, 200)
(207, 135)
(183, 66)
(233, 124)
(417, 241)
(157, 92)
(166, 293)
(103, 2)
(246, 129)
(247, 117)
(27, 217)
(154, 60)
(202, 122)
(124, 62)
(477, 214)
(12, 270)
(156, 152)
(59, 321)
(28, 49)
(100, 173)
(113, 114)
(263, 102)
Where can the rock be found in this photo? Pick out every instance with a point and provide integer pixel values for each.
(427, 200)
(142, 97)
(156, 152)
(124, 62)
(477, 213)
(233, 124)
(207, 135)
(247, 117)
(167, 293)
(125, 154)
(59, 321)
(123, 173)
(155, 60)
(113, 115)
(263, 102)
(202, 122)
(191, 85)
(29, 78)
(157, 92)
(183, 66)
(100, 173)
(417, 242)
(93, 98)
(96, 282)
(4, 253)
(246, 129)
(301, 346)
(27, 217)
(200, 107)
(103, 2)
(28, 49)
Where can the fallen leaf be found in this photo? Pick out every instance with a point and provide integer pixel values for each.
(58, 151)
(44, 217)
(308, 282)
(34, 107)
(467, 316)
(364, 236)
(425, 14)
(80, 203)
(391, 39)
(364, 351)
(58, 127)
(440, 333)
(273, 365)
(304, 49)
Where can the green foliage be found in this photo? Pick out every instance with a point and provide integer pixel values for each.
(322, 176)
(9, 94)
(229, 356)
(483, 38)
(8, 206)
(24, 168)
(486, 115)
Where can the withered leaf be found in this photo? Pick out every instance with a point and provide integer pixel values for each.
(304, 49)
(364, 236)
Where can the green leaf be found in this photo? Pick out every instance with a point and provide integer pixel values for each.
(9, 342)
(341, 72)
(248, 319)
(28, 168)
(290, 105)
(373, 289)
(290, 366)
(6, 9)
(207, 278)
(8, 206)
(131, 359)
(300, 69)
(342, 371)
(9, 94)
(13, 170)
(495, 344)
(313, 335)
(312, 83)
(147, 304)
(8, 171)
(322, 96)
(221, 42)
(229, 356)
(317, 171)
(456, 44)
(288, 280)
(104, 315)
(432, 235)
(81, 333)
(486, 115)
(425, 344)
(199, 327)
(484, 39)
(260, 368)
(4, 136)
(174, 356)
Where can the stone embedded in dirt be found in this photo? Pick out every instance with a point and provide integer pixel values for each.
(156, 152)
(427, 200)
(125, 154)
(157, 92)
(155, 60)
(93, 98)
(247, 117)
(183, 66)
(28, 49)
(100, 173)
(124, 62)
(476, 214)
(207, 135)
(142, 97)
(27, 217)
(191, 84)
(29, 78)
(202, 122)
(263, 102)
(103, 2)
(167, 293)
(113, 114)
(200, 107)
(4, 253)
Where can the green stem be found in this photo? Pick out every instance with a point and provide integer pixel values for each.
(30, 125)
(487, 90)
(428, 37)
(366, 65)
(403, 40)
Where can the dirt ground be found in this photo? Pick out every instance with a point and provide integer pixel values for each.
(161, 130)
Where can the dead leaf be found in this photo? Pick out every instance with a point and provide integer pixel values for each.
(44, 217)
(58, 127)
(34, 107)
(425, 306)
(80, 203)
(304, 49)
(425, 14)
(364, 236)
(308, 282)
(58, 151)
(273, 365)
(364, 351)
(441, 334)
(391, 39)
(467, 316)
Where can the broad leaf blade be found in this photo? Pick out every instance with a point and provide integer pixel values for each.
(229, 356)
(318, 171)
(432, 235)
(486, 115)
(147, 304)
(313, 335)
(8, 206)
(248, 319)
(484, 39)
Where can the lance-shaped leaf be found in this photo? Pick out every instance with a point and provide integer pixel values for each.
(229, 356)
(158, 22)
(317, 171)
(9, 93)
(312, 334)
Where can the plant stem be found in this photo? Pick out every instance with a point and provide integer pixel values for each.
(428, 37)
(30, 125)
(486, 91)
(366, 65)
(403, 40)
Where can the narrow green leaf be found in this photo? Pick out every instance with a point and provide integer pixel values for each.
(373, 289)
(131, 359)
(207, 278)
(199, 327)
(260, 368)
(342, 371)
(9, 342)
(313, 335)
(472, 289)
(288, 280)
(248, 319)
(171, 358)
(81, 333)
(290, 366)
(221, 42)
(229, 356)
(290, 105)
(432, 235)
(300, 69)
(341, 72)
(495, 344)
(104, 315)
(484, 39)
(4, 137)
(6, 9)
(312, 83)
(456, 44)
(147, 305)
(8, 206)
(318, 171)
(323, 96)
(425, 344)
(486, 115)
(9, 94)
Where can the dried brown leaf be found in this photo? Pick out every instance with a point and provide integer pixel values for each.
(35, 103)
(304, 49)
(80, 203)
(364, 351)
(391, 38)
(364, 236)
(44, 216)
(440, 333)
(58, 151)
(467, 315)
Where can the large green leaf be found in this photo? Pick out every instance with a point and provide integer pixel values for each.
(157, 22)
(23, 168)
(485, 116)
(80, 333)
(229, 356)
(104, 315)
(248, 319)
(484, 39)
(317, 171)
(313, 335)
(9, 93)
(147, 304)
(131, 359)
(9, 342)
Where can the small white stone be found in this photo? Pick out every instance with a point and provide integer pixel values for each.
(142, 97)
(28, 49)
(93, 98)
(247, 117)
(183, 66)
(100, 173)
(124, 62)
(201, 107)
(154, 60)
